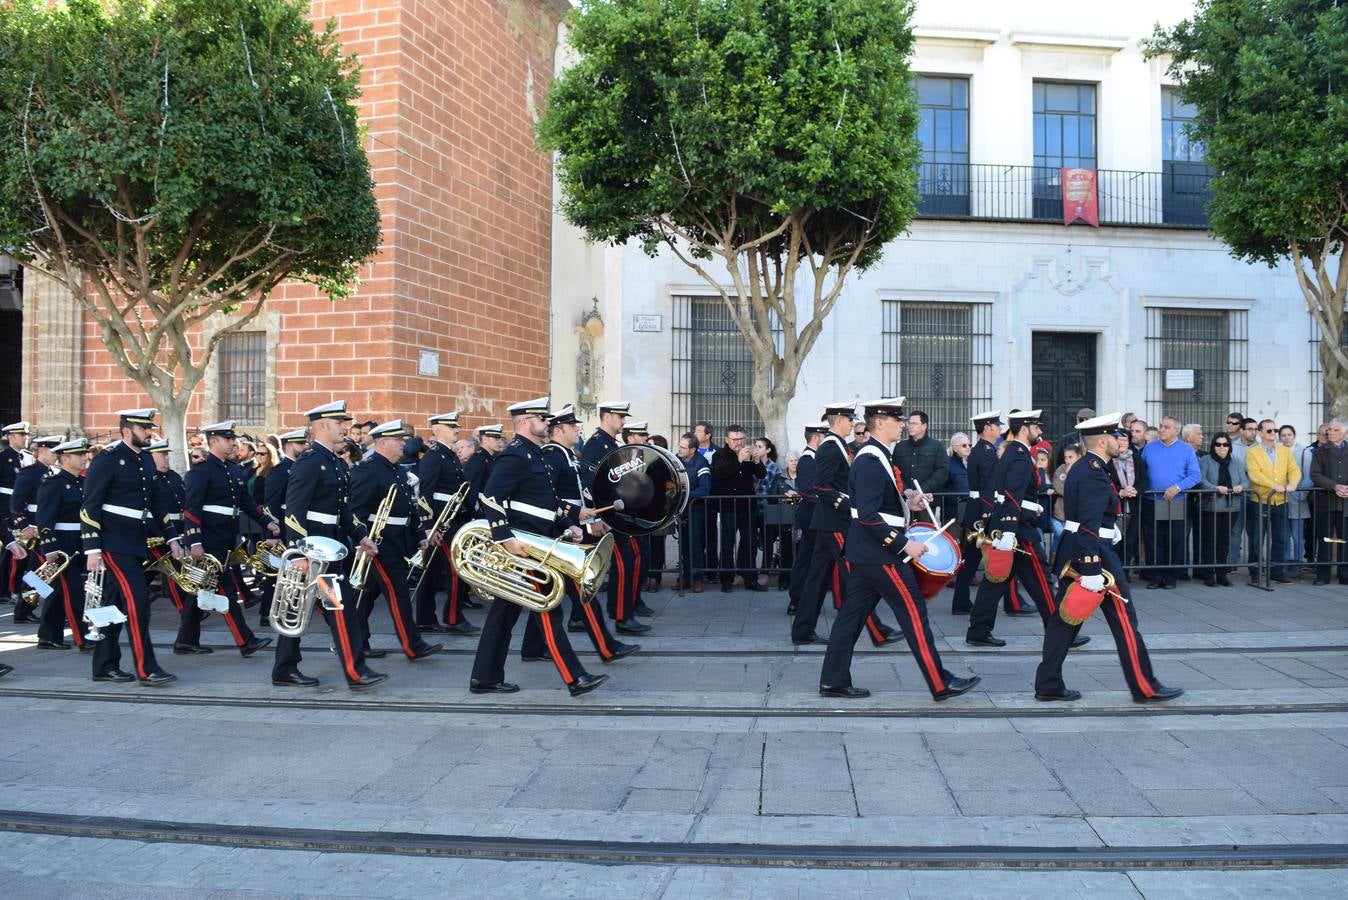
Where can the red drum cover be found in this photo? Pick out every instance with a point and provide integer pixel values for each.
(998, 562)
(935, 567)
(1079, 604)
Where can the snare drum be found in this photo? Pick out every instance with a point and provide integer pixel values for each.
(939, 564)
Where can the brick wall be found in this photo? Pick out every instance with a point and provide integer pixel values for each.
(449, 92)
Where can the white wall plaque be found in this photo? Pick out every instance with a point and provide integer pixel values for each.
(428, 363)
(648, 323)
(1179, 379)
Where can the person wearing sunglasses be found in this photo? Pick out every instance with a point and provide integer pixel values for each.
(1273, 474)
(1225, 478)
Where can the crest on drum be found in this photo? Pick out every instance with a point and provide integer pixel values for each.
(650, 482)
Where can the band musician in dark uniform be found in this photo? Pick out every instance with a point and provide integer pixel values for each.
(624, 575)
(13, 458)
(519, 496)
(274, 498)
(878, 551)
(172, 482)
(805, 472)
(982, 499)
(58, 522)
(440, 474)
(1091, 507)
(23, 509)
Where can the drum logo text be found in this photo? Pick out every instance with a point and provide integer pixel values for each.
(635, 464)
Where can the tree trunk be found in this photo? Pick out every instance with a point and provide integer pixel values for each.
(1336, 385)
(173, 412)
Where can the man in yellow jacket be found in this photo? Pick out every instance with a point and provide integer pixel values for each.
(1273, 474)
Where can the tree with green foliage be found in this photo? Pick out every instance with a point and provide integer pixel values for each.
(1269, 82)
(173, 161)
(775, 138)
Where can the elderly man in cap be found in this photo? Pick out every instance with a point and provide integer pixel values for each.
(23, 507)
(122, 508)
(440, 475)
(624, 578)
(519, 497)
(58, 525)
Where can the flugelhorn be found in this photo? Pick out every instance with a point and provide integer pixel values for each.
(293, 601)
(44, 577)
(536, 582)
(97, 613)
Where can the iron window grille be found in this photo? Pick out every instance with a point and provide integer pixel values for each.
(242, 365)
(938, 355)
(1214, 345)
(712, 371)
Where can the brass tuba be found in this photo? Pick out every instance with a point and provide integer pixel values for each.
(293, 601)
(536, 583)
(46, 574)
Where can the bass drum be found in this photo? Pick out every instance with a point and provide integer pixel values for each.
(650, 481)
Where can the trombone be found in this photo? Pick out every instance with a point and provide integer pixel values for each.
(448, 513)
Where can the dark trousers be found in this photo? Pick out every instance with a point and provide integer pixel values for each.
(231, 587)
(1329, 524)
(866, 585)
(624, 579)
(800, 564)
(170, 587)
(124, 586)
(970, 559)
(827, 571)
(692, 546)
(64, 607)
(16, 569)
(494, 644)
(588, 613)
(1122, 619)
(711, 549)
(1031, 576)
(779, 551)
(1261, 517)
(737, 521)
(653, 556)
(1165, 546)
(390, 580)
(1214, 531)
(348, 637)
(441, 573)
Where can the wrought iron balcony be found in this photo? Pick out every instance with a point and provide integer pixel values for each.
(1173, 198)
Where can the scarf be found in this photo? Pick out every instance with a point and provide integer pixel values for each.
(1223, 470)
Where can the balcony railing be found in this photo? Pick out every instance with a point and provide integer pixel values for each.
(1173, 198)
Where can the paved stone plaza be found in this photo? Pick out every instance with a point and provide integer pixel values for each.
(714, 736)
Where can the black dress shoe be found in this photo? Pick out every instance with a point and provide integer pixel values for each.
(813, 637)
(545, 656)
(631, 626)
(1022, 612)
(642, 609)
(437, 628)
(371, 653)
(501, 687)
(190, 650)
(463, 628)
(1067, 696)
(791, 609)
(158, 679)
(5, 669)
(845, 691)
(264, 622)
(889, 636)
(961, 611)
(576, 627)
(988, 641)
(369, 679)
(956, 686)
(1081, 640)
(255, 645)
(585, 683)
(727, 588)
(116, 675)
(755, 586)
(471, 602)
(1223, 580)
(294, 679)
(1154, 585)
(427, 650)
(1321, 582)
(1162, 694)
(622, 650)
(52, 645)
(87, 647)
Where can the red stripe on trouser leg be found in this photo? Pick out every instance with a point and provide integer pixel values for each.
(636, 575)
(76, 632)
(546, 623)
(919, 633)
(398, 622)
(131, 612)
(596, 631)
(237, 604)
(1013, 595)
(1130, 639)
(1043, 582)
(618, 606)
(233, 628)
(452, 601)
(348, 658)
(13, 574)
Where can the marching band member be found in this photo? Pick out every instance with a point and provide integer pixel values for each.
(173, 483)
(982, 499)
(215, 496)
(371, 480)
(805, 473)
(519, 495)
(640, 433)
(441, 474)
(491, 443)
(1091, 506)
(58, 522)
(318, 504)
(624, 585)
(122, 508)
(274, 493)
(832, 513)
(12, 461)
(560, 457)
(23, 509)
(878, 550)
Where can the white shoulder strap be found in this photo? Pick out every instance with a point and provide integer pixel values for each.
(872, 450)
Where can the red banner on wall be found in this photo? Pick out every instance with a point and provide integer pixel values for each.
(1079, 203)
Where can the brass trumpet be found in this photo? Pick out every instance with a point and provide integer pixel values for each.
(1070, 574)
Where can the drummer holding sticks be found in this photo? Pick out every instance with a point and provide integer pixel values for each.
(879, 552)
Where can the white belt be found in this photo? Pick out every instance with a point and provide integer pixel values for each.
(392, 520)
(32, 507)
(220, 510)
(887, 518)
(442, 496)
(974, 495)
(538, 512)
(66, 526)
(324, 518)
(1110, 533)
(5, 490)
(138, 514)
(1032, 507)
(174, 517)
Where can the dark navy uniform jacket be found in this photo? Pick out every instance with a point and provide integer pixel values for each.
(370, 482)
(217, 492)
(318, 498)
(877, 532)
(177, 489)
(833, 508)
(806, 467)
(274, 488)
(982, 461)
(124, 503)
(440, 473)
(58, 514)
(1090, 501)
(23, 502)
(599, 445)
(1015, 478)
(11, 464)
(564, 470)
(519, 494)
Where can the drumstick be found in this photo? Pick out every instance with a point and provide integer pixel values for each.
(616, 507)
(933, 536)
(931, 515)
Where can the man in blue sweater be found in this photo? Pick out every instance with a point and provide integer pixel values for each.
(1172, 468)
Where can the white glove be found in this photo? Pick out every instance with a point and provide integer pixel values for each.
(1093, 583)
(1005, 541)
